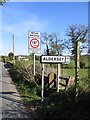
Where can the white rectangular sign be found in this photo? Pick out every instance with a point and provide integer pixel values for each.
(34, 34)
(55, 59)
(52, 59)
(34, 42)
(67, 60)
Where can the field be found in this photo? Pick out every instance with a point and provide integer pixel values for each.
(71, 72)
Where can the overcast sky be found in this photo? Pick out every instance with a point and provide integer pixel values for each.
(19, 18)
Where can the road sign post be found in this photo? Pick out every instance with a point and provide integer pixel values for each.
(34, 42)
(34, 64)
(58, 60)
(58, 75)
(42, 93)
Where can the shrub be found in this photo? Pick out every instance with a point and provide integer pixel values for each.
(82, 64)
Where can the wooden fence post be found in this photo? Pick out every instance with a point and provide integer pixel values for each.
(77, 66)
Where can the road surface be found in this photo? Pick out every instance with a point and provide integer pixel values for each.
(11, 105)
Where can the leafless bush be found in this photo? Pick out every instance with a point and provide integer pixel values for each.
(26, 71)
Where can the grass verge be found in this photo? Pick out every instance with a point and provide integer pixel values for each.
(56, 106)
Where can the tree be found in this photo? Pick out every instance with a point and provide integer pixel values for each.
(3, 59)
(11, 56)
(45, 40)
(54, 45)
(77, 34)
(2, 1)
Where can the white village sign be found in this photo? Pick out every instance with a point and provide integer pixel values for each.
(55, 59)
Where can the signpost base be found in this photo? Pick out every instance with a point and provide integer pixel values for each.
(42, 92)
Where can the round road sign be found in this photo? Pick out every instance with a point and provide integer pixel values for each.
(34, 43)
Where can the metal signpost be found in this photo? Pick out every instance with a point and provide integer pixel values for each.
(58, 75)
(42, 93)
(34, 47)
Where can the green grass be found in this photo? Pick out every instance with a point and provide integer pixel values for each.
(56, 105)
(27, 89)
(67, 72)
(28, 93)
(0, 58)
(71, 72)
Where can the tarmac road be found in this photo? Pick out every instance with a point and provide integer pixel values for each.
(11, 105)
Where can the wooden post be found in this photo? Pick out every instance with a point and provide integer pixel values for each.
(51, 80)
(77, 66)
(13, 47)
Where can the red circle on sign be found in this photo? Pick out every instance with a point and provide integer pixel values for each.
(32, 41)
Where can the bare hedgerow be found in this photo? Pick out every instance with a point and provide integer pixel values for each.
(26, 71)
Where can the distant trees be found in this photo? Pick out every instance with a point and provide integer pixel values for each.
(11, 56)
(3, 59)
